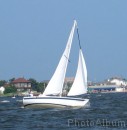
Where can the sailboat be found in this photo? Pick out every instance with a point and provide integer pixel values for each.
(52, 96)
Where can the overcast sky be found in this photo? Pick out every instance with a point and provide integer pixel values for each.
(33, 36)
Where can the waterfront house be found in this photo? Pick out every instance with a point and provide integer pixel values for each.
(118, 81)
(22, 84)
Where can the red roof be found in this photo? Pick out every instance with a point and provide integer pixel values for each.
(21, 80)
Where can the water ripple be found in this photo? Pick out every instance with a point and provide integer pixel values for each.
(102, 107)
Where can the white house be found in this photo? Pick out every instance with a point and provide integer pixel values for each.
(118, 81)
(2, 89)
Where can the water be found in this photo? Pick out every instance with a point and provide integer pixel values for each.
(105, 112)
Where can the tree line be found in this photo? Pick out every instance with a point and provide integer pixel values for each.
(35, 86)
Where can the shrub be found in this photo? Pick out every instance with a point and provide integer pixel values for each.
(10, 89)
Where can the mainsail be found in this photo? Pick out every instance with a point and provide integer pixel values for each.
(55, 85)
(79, 85)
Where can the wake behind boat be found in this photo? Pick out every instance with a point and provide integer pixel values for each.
(4, 101)
(55, 85)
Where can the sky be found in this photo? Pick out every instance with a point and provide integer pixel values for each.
(33, 36)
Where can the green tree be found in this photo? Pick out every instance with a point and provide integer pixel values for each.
(34, 84)
(12, 79)
(2, 82)
(40, 87)
(10, 89)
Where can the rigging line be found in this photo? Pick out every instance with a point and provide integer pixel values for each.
(78, 38)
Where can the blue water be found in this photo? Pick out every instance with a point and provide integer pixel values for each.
(105, 112)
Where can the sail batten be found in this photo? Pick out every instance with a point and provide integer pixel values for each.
(55, 85)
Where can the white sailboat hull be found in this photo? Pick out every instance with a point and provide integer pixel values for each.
(54, 102)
